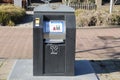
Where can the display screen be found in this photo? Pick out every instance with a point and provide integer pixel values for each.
(54, 26)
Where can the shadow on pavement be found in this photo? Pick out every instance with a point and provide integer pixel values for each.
(110, 48)
(106, 66)
(110, 52)
(95, 49)
(83, 67)
(28, 18)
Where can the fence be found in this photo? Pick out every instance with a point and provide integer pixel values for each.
(86, 6)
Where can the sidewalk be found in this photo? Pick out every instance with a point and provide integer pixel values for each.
(98, 43)
(95, 43)
(15, 42)
(102, 46)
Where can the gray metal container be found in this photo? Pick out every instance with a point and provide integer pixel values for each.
(54, 58)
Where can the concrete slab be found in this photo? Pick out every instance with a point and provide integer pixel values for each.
(23, 70)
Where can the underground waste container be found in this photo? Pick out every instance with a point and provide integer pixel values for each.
(54, 35)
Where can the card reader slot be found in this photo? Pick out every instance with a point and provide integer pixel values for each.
(54, 41)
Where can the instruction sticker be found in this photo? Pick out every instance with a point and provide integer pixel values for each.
(56, 26)
(37, 21)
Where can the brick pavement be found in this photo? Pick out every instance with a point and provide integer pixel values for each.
(107, 69)
(102, 46)
(17, 43)
(89, 43)
(5, 68)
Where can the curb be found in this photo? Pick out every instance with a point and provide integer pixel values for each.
(99, 27)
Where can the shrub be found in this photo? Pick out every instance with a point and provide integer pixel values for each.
(96, 18)
(114, 19)
(10, 23)
(82, 19)
(93, 21)
(4, 18)
(9, 14)
(101, 17)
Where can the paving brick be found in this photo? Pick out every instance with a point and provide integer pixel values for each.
(5, 68)
(18, 43)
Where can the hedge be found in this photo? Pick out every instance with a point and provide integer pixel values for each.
(10, 14)
(96, 18)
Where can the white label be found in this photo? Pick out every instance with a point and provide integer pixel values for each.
(37, 21)
(36, 24)
(55, 26)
